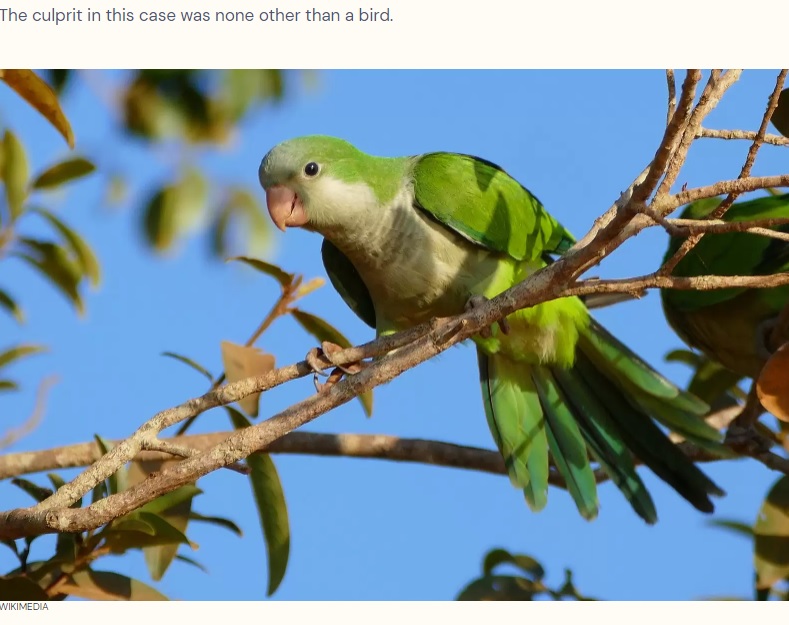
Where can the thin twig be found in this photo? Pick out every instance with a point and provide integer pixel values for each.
(32, 422)
(689, 243)
(748, 135)
(174, 449)
(672, 95)
(762, 227)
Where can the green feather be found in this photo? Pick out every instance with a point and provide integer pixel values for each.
(482, 203)
(756, 255)
(517, 424)
(566, 444)
(347, 282)
(605, 443)
(645, 439)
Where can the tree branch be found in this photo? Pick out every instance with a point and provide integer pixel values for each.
(748, 135)
(629, 215)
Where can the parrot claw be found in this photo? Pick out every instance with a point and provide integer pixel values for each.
(315, 359)
(475, 301)
(331, 379)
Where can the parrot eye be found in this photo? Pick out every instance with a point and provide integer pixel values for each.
(311, 169)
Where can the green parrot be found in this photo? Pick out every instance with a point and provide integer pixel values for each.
(730, 326)
(412, 238)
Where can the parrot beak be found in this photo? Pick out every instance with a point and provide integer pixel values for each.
(285, 207)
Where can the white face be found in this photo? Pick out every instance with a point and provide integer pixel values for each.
(301, 192)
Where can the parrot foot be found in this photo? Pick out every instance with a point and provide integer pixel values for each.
(325, 351)
(475, 301)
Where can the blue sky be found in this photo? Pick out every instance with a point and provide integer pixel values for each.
(365, 529)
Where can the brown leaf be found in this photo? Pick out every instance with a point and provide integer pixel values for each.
(773, 384)
(41, 97)
(242, 362)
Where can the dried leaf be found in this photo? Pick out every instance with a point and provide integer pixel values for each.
(773, 384)
(64, 171)
(41, 97)
(771, 532)
(242, 362)
(309, 287)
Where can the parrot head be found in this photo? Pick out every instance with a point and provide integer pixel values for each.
(315, 182)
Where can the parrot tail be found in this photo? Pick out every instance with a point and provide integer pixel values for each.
(605, 407)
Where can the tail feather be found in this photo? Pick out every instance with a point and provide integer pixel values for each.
(647, 441)
(604, 441)
(606, 405)
(516, 421)
(654, 394)
(567, 445)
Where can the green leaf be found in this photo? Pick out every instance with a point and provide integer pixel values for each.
(105, 585)
(172, 499)
(159, 224)
(527, 564)
(272, 509)
(127, 533)
(692, 359)
(64, 171)
(159, 558)
(192, 561)
(55, 264)
(780, 118)
(280, 275)
(18, 588)
(15, 174)
(216, 520)
(10, 305)
(771, 532)
(244, 218)
(132, 524)
(175, 210)
(39, 493)
(324, 331)
(320, 328)
(86, 259)
(191, 363)
(19, 351)
(8, 385)
(738, 527)
(499, 588)
(273, 512)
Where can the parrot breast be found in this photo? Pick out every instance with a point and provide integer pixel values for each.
(416, 268)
